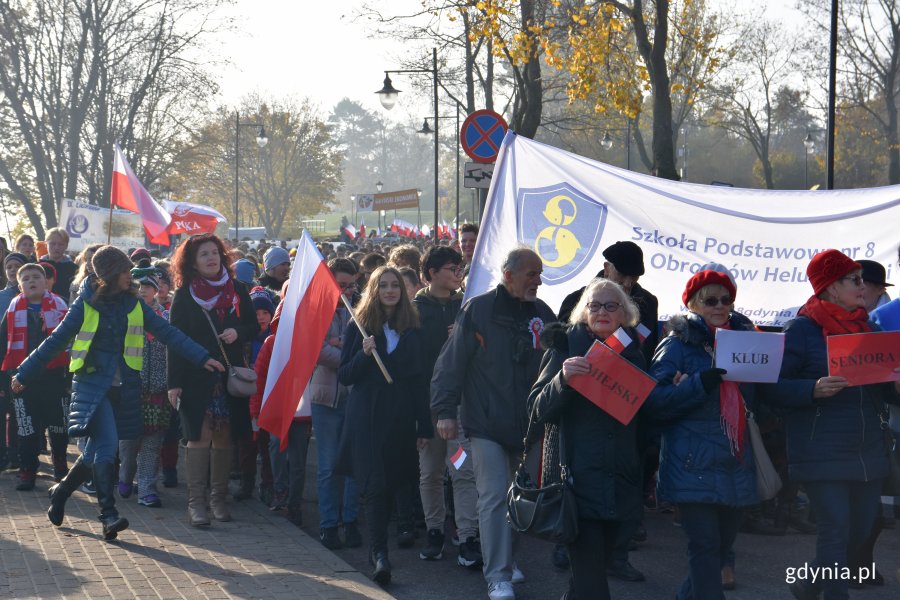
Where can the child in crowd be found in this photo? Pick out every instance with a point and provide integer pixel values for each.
(263, 303)
(30, 318)
(289, 468)
(142, 455)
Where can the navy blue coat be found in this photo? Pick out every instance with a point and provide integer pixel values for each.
(696, 463)
(106, 356)
(837, 438)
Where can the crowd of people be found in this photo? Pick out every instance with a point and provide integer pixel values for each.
(132, 355)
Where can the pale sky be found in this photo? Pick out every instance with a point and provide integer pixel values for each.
(315, 49)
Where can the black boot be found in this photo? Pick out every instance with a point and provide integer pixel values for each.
(59, 493)
(105, 477)
(382, 572)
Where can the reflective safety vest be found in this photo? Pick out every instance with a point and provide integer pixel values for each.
(134, 338)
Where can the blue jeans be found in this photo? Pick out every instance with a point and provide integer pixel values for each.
(103, 437)
(845, 514)
(327, 425)
(711, 531)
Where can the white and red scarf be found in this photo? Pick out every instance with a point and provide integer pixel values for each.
(53, 311)
(218, 294)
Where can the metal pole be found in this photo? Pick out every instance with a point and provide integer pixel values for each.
(434, 72)
(237, 150)
(628, 143)
(832, 86)
(805, 168)
(456, 222)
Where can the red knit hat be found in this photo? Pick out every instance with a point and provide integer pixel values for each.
(828, 266)
(705, 278)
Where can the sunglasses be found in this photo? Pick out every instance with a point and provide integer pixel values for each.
(712, 302)
(607, 306)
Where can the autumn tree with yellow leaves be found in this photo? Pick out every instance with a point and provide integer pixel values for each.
(614, 53)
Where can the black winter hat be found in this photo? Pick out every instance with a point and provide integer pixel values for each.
(626, 257)
(109, 261)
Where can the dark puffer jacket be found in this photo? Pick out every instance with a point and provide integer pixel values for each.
(696, 463)
(492, 359)
(106, 358)
(837, 438)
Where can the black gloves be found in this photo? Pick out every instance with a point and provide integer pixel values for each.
(711, 378)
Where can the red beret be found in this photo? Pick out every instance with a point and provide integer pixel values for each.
(828, 266)
(705, 278)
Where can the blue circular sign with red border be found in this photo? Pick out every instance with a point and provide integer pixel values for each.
(481, 135)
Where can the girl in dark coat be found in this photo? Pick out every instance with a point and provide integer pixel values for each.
(835, 445)
(106, 391)
(210, 417)
(383, 421)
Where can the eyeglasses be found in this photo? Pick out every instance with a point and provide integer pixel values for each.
(712, 302)
(854, 279)
(610, 307)
(456, 270)
(347, 286)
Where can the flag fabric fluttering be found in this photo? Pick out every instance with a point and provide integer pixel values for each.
(362, 229)
(308, 307)
(192, 218)
(350, 231)
(128, 193)
(458, 458)
(618, 341)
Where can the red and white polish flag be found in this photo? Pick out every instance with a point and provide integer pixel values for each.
(643, 331)
(306, 312)
(128, 193)
(458, 458)
(192, 218)
(618, 341)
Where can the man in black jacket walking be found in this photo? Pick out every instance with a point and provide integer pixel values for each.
(489, 364)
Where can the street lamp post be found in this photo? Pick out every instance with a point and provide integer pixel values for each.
(388, 97)
(810, 145)
(426, 130)
(607, 142)
(261, 141)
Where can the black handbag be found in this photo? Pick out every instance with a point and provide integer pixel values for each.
(547, 512)
(892, 483)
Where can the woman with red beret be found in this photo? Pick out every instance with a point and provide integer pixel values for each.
(835, 444)
(706, 462)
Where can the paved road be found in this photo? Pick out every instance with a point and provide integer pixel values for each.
(259, 555)
(761, 563)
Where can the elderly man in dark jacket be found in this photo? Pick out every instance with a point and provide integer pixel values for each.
(490, 362)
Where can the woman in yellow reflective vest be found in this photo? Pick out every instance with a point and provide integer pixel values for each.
(107, 324)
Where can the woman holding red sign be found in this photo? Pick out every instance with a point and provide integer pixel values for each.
(835, 444)
(600, 452)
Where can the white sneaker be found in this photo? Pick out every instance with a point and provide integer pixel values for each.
(501, 590)
(517, 575)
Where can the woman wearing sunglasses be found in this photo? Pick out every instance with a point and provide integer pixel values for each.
(706, 463)
(835, 444)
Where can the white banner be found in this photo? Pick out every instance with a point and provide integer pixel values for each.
(749, 356)
(569, 208)
(88, 224)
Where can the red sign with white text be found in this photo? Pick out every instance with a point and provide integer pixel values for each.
(614, 384)
(865, 357)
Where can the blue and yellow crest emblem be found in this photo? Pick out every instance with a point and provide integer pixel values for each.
(563, 226)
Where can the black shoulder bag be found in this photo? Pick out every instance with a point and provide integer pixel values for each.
(547, 512)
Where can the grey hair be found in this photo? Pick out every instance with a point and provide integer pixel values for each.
(513, 260)
(631, 311)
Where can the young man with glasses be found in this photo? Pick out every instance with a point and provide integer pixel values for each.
(438, 305)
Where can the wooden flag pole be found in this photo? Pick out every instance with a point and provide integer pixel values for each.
(381, 366)
(109, 227)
